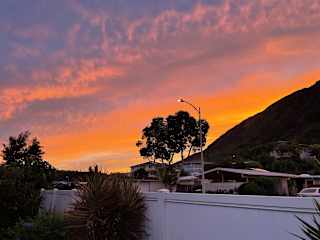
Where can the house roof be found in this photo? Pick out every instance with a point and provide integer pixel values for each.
(308, 176)
(194, 158)
(146, 163)
(253, 172)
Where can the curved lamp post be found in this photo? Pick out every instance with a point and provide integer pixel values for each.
(200, 135)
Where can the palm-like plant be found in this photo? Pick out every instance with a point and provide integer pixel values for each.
(108, 208)
(311, 230)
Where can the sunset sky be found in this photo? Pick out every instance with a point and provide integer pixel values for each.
(86, 76)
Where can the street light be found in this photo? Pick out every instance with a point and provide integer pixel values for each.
(200, 133)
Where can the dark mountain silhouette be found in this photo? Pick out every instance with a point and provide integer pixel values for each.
(295, 118)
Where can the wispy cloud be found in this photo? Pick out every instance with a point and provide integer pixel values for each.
(69, 67)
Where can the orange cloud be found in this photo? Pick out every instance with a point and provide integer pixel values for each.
(233, 58)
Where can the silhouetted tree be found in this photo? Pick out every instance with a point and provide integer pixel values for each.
(20, 152)
(22, 175)
(166, 137)
(154, 144)
(176, 134)
(184, 133)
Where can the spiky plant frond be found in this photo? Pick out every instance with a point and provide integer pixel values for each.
(109, 208)
(311, 230)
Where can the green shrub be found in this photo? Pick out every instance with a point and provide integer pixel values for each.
(109, 208)
(19, 199)
(42, 227)
(259, 186)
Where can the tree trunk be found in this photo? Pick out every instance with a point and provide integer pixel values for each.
(190, 149)
(182, 159)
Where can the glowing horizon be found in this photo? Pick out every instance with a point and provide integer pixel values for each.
(87, 77)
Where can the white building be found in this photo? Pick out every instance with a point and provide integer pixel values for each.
(191, 165)
(226, 179)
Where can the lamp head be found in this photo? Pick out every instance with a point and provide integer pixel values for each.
(180, 100)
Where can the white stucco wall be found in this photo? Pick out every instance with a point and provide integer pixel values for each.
(177, 216)
(184, 216)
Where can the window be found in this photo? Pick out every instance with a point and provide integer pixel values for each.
(310, 190)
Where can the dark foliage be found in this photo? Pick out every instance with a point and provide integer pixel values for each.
(176, 134)
(109, 208)
(140, 174)
(94, 169)
(71, 175)
(166, 137)
(22, 175)
(43, 227)
(20, 152)
(259, 186)
(168, 176)
(19, 199)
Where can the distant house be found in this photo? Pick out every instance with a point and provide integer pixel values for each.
(307, 154)
(150, 168)
(307, 180)
(285, 149)
(230, 179)
(192, 165)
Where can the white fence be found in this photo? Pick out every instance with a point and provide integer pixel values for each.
(58, 201)
(222, 186)
(183, 216)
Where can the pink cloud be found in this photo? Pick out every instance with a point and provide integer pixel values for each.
(108, 65)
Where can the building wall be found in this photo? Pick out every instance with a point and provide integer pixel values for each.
(149, 185)
(192, 168)
(223, 186)
(184, 216)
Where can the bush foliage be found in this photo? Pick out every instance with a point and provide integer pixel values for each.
(22, 175)
(259, 186)
(19, 199)
(42, 227)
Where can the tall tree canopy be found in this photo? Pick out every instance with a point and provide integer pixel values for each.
(175, 134)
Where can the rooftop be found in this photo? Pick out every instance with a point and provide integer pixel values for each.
(253, 172)
(146, 163)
